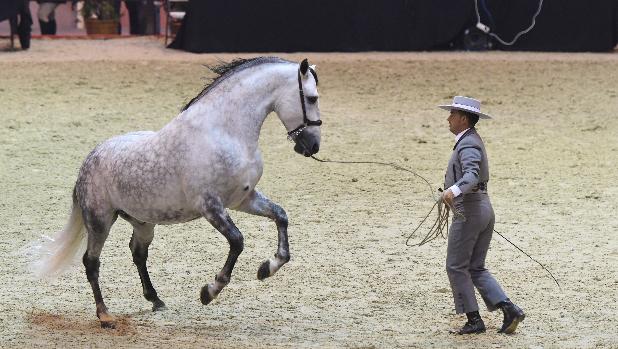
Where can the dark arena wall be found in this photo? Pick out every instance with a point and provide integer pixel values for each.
(395, 25)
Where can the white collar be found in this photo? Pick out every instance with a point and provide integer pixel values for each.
(460, 134)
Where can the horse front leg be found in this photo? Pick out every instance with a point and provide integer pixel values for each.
(215, 213)
(260, 205)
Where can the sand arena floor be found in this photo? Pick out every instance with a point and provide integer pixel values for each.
(352, 282)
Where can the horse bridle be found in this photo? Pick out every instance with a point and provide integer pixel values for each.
(306, 122)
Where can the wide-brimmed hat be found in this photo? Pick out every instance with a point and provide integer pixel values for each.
(466, 104)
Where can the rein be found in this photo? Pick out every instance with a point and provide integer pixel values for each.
(441, 221)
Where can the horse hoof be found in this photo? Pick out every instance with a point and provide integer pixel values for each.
(107, 321)
(264, 270)
(205, 297)
(158, 306)
(108, 324)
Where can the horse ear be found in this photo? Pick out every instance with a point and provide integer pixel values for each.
(304, 67)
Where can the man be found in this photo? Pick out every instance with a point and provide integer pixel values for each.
(466, 178)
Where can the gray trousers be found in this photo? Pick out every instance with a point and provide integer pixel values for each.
(468, 243)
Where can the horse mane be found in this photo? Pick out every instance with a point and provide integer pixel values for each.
(223, 70)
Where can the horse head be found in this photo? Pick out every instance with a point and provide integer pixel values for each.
(300, 113)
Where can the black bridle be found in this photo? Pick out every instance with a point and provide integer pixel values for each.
(306, 122)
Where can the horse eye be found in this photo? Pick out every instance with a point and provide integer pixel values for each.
(312, 99)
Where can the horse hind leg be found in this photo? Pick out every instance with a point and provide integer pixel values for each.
(143, 233)
(98, 227)
(260, 205)
(216, 215)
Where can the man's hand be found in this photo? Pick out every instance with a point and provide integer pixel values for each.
(447, 197)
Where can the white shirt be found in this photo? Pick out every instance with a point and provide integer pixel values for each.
(455, 189)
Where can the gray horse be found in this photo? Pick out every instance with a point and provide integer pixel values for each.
(201, 163)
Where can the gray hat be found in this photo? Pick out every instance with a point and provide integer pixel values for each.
(466, 104)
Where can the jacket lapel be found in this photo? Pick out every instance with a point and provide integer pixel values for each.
(464, 136)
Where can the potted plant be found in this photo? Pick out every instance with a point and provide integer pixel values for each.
(100, 17)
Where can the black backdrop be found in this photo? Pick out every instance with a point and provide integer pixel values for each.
(8, 8)
(391, 25)
(562, 25)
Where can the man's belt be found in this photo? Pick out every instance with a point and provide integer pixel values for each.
(481, 186)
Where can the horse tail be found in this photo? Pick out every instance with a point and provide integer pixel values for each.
(54, 255)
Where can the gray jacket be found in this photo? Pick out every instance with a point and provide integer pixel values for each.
(468, 167)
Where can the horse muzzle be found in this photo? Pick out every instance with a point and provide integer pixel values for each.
(307, 143)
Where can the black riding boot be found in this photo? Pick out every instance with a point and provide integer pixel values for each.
(48, 28)
(513, 315)
(24, 28)
(23, 31)
(45, 28)
(474, 325)
(52, 27)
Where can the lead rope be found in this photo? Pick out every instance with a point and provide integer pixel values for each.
(439, 225)
(393, 165)
(441, 221)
